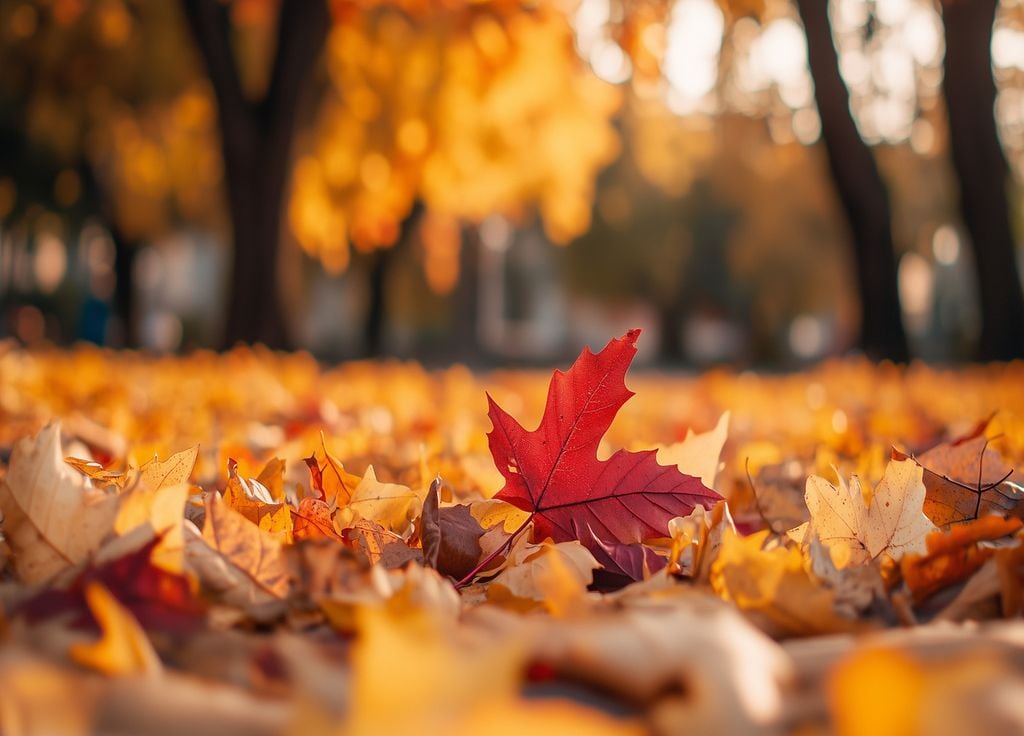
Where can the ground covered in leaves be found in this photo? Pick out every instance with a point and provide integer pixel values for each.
(249, 543)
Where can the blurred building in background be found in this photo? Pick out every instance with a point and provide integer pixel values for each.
(753, 181)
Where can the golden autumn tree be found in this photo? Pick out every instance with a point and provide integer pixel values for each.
(470, 109)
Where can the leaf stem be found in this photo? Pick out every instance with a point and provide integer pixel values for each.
(491, 557)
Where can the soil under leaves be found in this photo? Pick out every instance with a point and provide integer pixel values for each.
(249, 543)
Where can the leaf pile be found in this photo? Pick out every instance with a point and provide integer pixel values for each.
(356, 551)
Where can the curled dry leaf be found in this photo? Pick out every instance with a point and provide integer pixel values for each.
(52, 519)
(696, 539)
(235, 559)
(551, 575)
(330, 480)
(954, 555)
(858, 530)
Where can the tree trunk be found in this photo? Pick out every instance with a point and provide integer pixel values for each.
(256, 138)
(465, 339)
(861, 191)
(376, 306)
(983, 174)
(124, 286)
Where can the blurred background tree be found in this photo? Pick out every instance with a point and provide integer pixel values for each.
(426, 153)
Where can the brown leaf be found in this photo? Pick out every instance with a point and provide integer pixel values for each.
(430, 526)
(313, 520)
(381, 546)
(460, 541)
(234, 558)
(964, 480)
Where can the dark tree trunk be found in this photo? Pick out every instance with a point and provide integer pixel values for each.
(861, 191)
(670, 351)
(376, 303)
(465, 341)
(375, 326)
(983, 173)
(256, 139)
(124, 286)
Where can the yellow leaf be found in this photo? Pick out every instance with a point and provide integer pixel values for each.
(163, 509)
(892, 522)
(97, 473)
(273, 518)
(391, 505)
(175, 470)
(775, 584)
(493, 511)
(272, 478)
(123, 649)
(698, 455)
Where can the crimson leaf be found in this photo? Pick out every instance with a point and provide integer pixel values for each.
(554, 473)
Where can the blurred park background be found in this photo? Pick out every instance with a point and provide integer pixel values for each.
(755, 182)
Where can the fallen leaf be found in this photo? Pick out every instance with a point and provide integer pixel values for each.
(158, 599)
(312, 520)
(954, 555)
(235, 559)
(256, 503)
(858, 531)
(553, 575)
(696, 540)
(774, 583)
(380, 546)
(97, 473)
(494, 511)
(430, 526)
(553, 472)
(391, 505)
(162, 509)
(51, 519)
(124, 649)
(620, 563)
(272, 478)
(964, 479)
(699, 454)
(173, 471)
(330, 479)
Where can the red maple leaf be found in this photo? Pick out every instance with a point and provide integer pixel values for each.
(554, 473)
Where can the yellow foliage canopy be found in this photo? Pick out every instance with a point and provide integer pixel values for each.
(476, 109)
